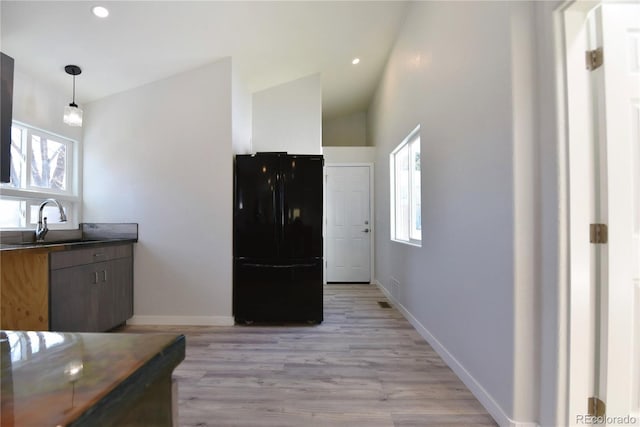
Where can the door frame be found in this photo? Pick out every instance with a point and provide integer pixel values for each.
(576, 374)
(372, 223)
(580, 297)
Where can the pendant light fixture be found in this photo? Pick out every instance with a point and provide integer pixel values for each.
(73, 114)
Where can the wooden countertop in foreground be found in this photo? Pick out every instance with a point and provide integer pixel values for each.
(69, 379)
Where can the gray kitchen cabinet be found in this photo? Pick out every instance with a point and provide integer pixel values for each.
(119, 296)
(91, 290)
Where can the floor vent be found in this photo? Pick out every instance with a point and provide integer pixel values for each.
(384, 304)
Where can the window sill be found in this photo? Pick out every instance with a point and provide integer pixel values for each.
(404, 242)
(34, 194)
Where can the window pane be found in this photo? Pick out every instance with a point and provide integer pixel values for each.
(49, 163)
(39, 161)
(406, 217)
(50, 212)
(415, 229)
(12, 213)
(402, 193)
(18, 157)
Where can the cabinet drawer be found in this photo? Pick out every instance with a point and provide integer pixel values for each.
(89, 255)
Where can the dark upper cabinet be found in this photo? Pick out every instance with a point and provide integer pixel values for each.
(6, 115)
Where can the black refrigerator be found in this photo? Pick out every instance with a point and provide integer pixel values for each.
(277, 238)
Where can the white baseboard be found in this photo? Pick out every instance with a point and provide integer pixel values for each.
(472, 384)
(181, 320)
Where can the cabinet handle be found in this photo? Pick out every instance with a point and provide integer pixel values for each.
(97, 254)
(104, 272)
(95, 277)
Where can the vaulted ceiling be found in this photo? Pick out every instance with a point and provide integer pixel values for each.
(143, 41)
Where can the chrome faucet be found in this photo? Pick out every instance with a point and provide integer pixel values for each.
(41, 229)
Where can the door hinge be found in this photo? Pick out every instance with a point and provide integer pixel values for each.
(598, 233)
(596, 407)
(594, 58)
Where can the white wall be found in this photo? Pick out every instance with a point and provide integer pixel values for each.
(526, 301)
(465, 289)
(288, 117)
(345, 131)
(241, 114)
(556, 395)
(349, 154)
(161, 155)
(38, 105)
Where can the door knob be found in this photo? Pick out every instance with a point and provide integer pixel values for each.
(366, 230)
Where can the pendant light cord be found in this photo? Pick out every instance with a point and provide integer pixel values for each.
(74, 90)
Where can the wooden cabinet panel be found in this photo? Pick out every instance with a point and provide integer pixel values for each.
(24, 295)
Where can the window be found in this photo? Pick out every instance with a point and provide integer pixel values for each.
(42, 166)
(405, 190)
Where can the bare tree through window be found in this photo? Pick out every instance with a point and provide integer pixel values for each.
(48, 163)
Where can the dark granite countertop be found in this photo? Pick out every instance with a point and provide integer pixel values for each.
(88, 235)
(61, 379)
(64, 245)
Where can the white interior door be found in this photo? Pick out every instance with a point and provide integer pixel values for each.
(582, 212)
(604, 187)
(618, 28)
(348, 227)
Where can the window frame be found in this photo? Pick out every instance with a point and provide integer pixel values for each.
(34, 195)
(407, 142)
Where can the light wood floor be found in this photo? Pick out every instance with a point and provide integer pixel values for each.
(363, 366)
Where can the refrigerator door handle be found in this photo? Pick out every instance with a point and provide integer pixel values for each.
(252, 265)
(276, 233)
(282, 207)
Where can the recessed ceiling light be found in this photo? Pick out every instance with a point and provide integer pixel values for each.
(355, 61)
(100, 11)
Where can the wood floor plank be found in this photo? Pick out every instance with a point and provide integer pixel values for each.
(363, 366)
